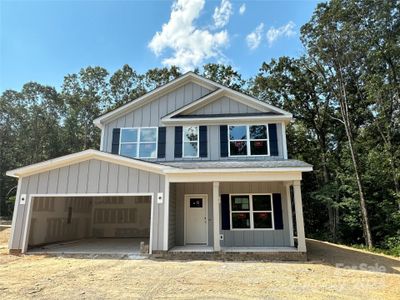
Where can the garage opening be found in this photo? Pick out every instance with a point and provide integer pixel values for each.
(90, 225)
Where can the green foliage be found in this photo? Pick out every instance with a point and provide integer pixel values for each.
(351, 46)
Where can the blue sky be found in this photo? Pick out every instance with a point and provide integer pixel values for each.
(44, 40)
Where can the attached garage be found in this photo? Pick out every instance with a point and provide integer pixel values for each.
(107, 224)
(89, 200)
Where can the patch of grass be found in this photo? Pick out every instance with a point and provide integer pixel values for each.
(391, 251)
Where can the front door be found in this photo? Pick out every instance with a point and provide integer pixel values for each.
(196, 219)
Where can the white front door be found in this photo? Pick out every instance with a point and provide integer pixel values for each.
(196, 219)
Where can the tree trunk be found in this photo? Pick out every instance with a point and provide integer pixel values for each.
(344, 109)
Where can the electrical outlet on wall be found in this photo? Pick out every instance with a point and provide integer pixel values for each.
(221, 237)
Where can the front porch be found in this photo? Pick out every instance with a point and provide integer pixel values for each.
(219, 237)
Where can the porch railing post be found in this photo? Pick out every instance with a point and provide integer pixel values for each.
(301, 238)
(216, 203)
(290, 213)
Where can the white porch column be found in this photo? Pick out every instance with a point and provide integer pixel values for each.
(166, 214)
(216, 201)
(290, 213)
(301, 238)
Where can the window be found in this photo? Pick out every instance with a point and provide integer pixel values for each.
(252, 211)
(248, 140)
(139, 142)
(191, 141)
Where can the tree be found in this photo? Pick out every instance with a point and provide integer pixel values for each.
(225, 75)
(327, 39)
(126, 85)
(160, 76)
(86, 96)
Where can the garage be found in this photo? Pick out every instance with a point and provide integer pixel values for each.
(105, 224)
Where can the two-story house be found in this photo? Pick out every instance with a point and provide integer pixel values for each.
(190, 166)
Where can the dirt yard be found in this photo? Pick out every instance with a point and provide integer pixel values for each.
(66, 278)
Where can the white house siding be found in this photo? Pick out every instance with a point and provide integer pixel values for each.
(90, 177)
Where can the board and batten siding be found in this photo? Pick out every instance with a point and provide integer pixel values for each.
(257, 238)
(91, 177)
(150, 115)
(224, 105)
(180, 190)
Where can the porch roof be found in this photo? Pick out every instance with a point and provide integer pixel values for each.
(240, 164)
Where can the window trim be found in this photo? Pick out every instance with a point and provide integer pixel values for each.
(197, 141)
(251, 211)
(248, 140)
(138, 142)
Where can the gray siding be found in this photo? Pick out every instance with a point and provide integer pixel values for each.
(214, 145)
(251, 238)
(93, 176)
(257, 238)
(182, 189)
(224, 105)
(150, 115)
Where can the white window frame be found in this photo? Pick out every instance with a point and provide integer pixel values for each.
(248, 140)
(251, 212)
(197, 141)
(138, 141)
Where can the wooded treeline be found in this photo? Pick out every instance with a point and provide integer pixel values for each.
(344, 93)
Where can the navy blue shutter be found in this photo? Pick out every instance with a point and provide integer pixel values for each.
(278, 218)
(178, 141)
(223, 136)
(161, 142)
(225, 217)
(115, 141)
(273, 140)
(203, 141)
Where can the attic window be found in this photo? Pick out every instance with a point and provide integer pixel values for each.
(139, 142)
(248, 140)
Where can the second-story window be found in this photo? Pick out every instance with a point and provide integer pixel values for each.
(248, 140)
(191, 141)
(139, 142)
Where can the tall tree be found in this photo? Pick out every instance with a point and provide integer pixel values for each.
(225, 75)
(160, 76)
(126, 85)
(86, 96)
(327, 38)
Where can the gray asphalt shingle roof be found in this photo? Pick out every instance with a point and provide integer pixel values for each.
(232, 164)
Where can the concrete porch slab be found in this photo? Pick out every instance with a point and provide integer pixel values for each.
(192, 248)
(259, 249)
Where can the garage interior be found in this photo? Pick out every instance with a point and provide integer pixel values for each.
(90, 225)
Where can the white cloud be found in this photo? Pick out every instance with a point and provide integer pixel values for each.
(242, 9)
(190, 45)
(222, 14)
(253, 39)
(284, 31)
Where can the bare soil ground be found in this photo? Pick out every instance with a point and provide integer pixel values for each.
(70, 278)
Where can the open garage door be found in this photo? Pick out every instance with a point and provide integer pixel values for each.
(90, 224)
